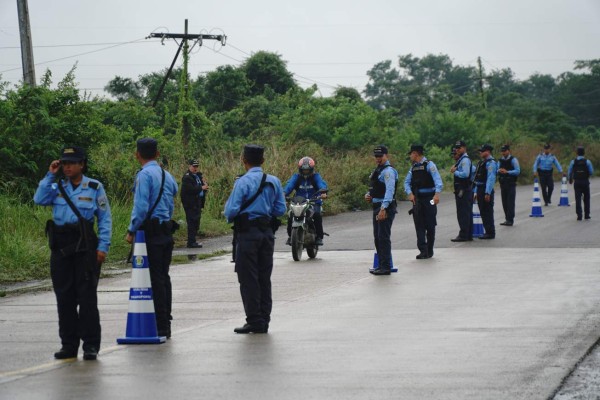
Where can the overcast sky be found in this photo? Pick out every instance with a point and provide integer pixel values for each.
(328, 42)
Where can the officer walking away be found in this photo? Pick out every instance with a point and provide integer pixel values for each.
(423, 186)
(254, 205)
(153, 205)
(382, 195)
(462, 171)
(580, 170)
(485, 179)
(542, 168)
(76, 252)
(193, 192)
(508, 171)
(306, 182)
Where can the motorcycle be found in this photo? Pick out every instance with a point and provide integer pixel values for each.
(303, 228)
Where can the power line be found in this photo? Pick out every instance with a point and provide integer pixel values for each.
(72, 45)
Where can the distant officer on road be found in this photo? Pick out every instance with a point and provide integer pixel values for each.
(76, 252)
(462, 172)
(382, 196)
(485, 179)
(580, 170)
(193, 192)
(508, 171)
(153, 204)
(542, 168)
(423, 186)
(254, 204)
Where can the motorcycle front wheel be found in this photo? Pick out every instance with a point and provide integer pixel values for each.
(297, 243)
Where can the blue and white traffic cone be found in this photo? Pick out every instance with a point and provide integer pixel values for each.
(141, 319)
(376, 264)
(478, 230)
(564, 193)
(536, 207)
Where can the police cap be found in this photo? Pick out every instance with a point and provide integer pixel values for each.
(485, 147)
(416, 147)
(505, 147)
(73, 153)
(460, 144)
(380, 150)
(580, 150)
(253, 153)
(547, 146)
(193, 162)
(147, 146)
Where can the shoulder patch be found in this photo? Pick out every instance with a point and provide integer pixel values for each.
(94, 185)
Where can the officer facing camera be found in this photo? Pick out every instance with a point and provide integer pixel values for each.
(77, 253)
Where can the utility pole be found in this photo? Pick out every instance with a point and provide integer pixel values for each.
(184, 100)
(26, 46)
(480, 73)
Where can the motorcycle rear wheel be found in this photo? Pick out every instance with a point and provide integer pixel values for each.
(312, 251)
(297, 243)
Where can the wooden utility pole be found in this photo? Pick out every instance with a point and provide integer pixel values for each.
(26, 46)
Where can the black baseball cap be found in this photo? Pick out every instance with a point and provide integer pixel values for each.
(416, 147)
(547, 146)
(193, 162)
(505, 147)
(253, 153)
(73, 153)
(485, 147)
(380, 150)
(460, 144)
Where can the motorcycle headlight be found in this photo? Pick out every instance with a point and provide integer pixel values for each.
(297, 209)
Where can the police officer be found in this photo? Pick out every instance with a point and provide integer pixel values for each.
(423, 186)
(193, 191)
(76, 252)
(542, 168)
(508, 171)
(382, 195)
(255, 202)
(306, 182)
(153, 204)
(580, 170)
(462, 171)
(485, 179)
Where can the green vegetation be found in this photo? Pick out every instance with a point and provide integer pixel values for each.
(427, 100)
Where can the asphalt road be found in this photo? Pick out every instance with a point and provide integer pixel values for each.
(512, 318)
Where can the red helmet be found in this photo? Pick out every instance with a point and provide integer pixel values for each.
(306, 166)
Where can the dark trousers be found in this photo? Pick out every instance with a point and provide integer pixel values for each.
(508, 192)
(582, 189)
(382, 231)
(75, 287)
(192, 218)
(254, 265)
(547, 185)
(160, 251)
(424, 217)
(317, 220)
(464, 214)
(486, 209)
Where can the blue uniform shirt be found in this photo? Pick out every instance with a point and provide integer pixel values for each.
(545, 162)
(89, 201)
(388, 176)
(515, 164)
(492, 171)
(587, 162)
(463, 169)
(146, 189)
(433, 171)
(306, 188)
(246, 186)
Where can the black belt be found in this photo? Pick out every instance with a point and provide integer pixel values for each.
(545, 171)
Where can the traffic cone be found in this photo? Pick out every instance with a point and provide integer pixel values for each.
(478, 230)
(376, 264)
(564, 193)
(141, 319)
(536, 207)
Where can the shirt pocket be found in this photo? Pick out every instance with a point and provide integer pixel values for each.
(86, 207)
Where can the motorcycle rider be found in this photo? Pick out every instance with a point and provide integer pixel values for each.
(306, 182)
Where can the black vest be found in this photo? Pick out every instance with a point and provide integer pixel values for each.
(376, 187)
(481, 175)
(421, 178)
(462, 183)
(507, 165)
(580, 170)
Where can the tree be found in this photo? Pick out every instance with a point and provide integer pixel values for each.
(225, 88)
(348, 93)
(124, 88)
(264, 69)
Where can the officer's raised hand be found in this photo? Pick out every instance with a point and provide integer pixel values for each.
(54, 167)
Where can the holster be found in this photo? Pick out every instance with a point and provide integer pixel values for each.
(241, 223)
(154, 227)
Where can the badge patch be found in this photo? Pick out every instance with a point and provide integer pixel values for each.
(85, 198)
